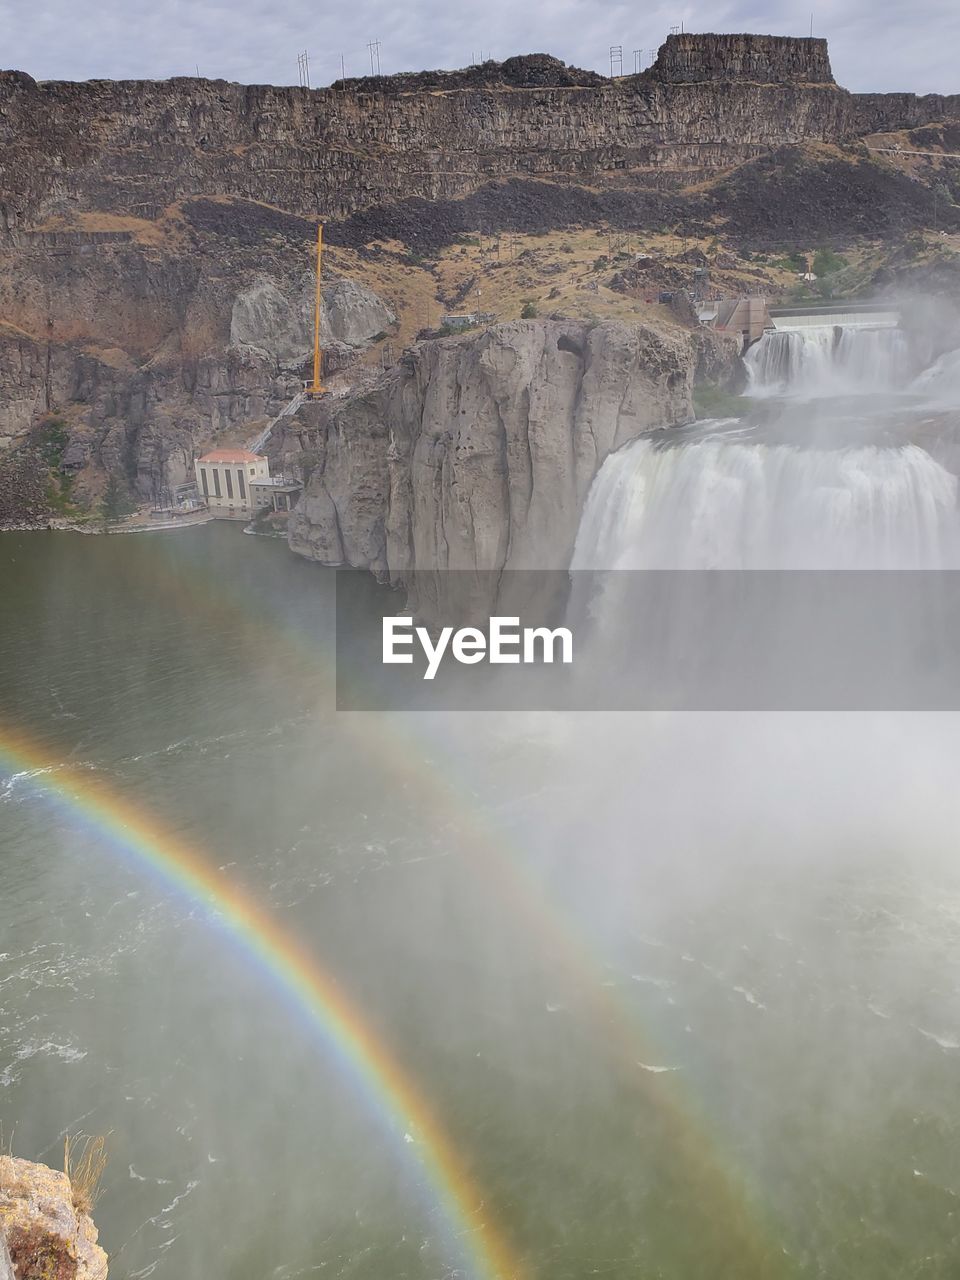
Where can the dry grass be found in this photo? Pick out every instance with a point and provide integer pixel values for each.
(84, 1168)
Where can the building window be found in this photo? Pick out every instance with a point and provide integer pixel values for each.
(229, 479)
(203, 481)
(216, 481)
(241, 486)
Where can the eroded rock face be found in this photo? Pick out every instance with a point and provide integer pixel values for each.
(353, 314)
(710, 102)
(477, 452)
(277, 322)
(689, 58)
(46, 1237)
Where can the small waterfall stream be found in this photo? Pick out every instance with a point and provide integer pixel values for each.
(828, 359)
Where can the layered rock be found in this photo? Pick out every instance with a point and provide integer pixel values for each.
(148, 350)
(43, 1235)
(707, 103)
(690, 58)
(154, 236)
(477, 452)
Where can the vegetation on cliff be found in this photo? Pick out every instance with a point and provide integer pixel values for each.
(45, 1224)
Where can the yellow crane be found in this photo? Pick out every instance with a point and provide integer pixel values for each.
(316, 388)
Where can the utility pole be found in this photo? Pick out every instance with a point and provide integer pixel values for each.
(374, 47)
(303, 69)
(616, 60)
(343, 74)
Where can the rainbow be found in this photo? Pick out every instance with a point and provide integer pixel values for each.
(296, 972)
(714, 1184)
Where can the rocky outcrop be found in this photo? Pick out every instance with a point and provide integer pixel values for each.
(525, 71)
(690, 58)
(477, 452)
(278, 322)
(42, 1233)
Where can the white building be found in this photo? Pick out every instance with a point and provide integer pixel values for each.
(224, 478)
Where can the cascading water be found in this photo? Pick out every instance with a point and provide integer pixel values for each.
(828, 359)
(717, 503)
(841, 483)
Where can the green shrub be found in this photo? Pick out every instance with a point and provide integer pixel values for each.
(529, 310)
(116, 501)
(827, 263)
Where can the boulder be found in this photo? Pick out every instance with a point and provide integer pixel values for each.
(276, 320)
(43, 1235)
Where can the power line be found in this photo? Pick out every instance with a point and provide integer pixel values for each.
(616, 60)
(374, 48)
(303, 69)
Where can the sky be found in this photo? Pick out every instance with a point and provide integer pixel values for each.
(874, 44)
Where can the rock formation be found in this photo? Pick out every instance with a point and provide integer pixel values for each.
(708, 102)
(154, 236)
(477, 452)
(692, 58)
(278, 323)
(42, 1233)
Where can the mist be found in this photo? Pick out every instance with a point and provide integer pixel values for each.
(680, 988)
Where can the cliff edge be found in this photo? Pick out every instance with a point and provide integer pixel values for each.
(43, 1235)
(691, 58)
(478, 452)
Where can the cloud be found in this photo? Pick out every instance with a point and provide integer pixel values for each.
(874, 44)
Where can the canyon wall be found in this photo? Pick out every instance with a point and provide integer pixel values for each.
(136, 147)
(477, 452)
(154, 235)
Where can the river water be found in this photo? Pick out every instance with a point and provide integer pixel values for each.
(681, 991)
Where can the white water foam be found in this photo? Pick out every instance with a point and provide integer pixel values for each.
(713, 504)
(828, 360)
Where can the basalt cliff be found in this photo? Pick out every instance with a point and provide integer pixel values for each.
(156, 238)
(476, 453)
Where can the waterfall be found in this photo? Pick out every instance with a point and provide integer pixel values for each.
(717, 503)
(841, 484)
(941, 382)
(828, 359)
(696, 640)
